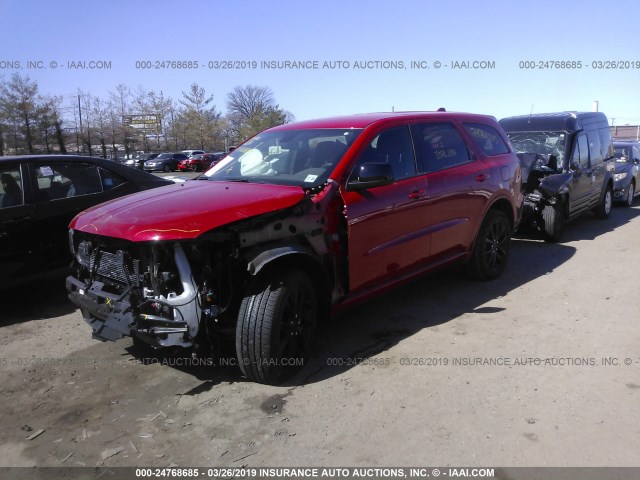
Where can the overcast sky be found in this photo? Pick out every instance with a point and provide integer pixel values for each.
(376, 41)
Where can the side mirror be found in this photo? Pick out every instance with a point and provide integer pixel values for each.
(370, 175)
(575, 166)
(636, 161)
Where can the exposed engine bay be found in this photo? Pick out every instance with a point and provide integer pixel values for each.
(186, 293)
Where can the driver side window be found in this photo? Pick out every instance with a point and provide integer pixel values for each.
(393, 147)
(581, 152)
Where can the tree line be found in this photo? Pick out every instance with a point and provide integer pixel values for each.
(130, 120)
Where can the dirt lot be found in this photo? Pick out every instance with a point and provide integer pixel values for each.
(444, 371)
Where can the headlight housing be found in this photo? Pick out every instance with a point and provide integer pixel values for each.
(619, 176)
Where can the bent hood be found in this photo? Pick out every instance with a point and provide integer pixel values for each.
(184, 211)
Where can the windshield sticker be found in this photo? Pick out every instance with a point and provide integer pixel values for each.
(46, 171)
(311, 178)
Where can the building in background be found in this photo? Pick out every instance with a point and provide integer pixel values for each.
(626, 132)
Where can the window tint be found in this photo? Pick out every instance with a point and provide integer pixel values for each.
(439, 146)
(595, 149)
(487, 138)
(62, 180)
(11, 188)
(581, 151)
(636, 153)
(394, 147)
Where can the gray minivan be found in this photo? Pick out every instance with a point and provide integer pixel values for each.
(567, 161)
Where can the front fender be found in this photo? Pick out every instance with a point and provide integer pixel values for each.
(556, 185)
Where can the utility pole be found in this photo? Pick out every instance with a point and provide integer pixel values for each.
(80, 116)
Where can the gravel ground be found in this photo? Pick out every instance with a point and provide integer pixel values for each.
(526, 370)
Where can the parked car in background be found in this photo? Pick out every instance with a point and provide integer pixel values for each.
(567, 164)
(165, 162)
(138, 160)
(300, 220)
(627, 174)
(39, 195)
(190, 153)
(200, 162)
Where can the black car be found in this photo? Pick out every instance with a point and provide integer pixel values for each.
(39, 195)
(567, 167)
(627, 176)
(165, 162)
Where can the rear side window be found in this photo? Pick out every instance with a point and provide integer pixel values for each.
(487, 138)
(439, 146)
(64, 180)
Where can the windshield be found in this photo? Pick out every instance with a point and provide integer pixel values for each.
(164, 155)
(544, 143)
(304, 158)
(623, 154)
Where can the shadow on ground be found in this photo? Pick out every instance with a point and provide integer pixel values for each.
(35, 302)
(371, 328)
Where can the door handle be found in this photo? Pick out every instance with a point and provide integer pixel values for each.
(482, 177)
(417, 194)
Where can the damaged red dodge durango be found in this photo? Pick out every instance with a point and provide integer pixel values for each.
(300, 220)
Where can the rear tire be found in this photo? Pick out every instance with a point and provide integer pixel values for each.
(276, 326)
(491, 248)
(604, 209)
(553, 217)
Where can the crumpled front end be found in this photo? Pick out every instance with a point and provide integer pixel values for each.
(543, 186)
(187, 292)
(146, 291)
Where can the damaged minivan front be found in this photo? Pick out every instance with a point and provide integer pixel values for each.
(567, 165)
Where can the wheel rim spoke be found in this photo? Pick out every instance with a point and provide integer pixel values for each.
(495, 245)
(293, 323)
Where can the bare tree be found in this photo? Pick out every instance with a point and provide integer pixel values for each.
(31, 122)
(55, 105)
(252, 109)
(163, 107)
(197, 121)
(249, 100)
(86, 118)
(121, 100)
(19, 102)
(100, 116)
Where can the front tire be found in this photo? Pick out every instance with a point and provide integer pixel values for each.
(276, 325)
(604, 209)
(491, 248)
(630, 194)
(166, 168)
(553, 217)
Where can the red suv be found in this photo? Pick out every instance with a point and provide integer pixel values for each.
(300, 220)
